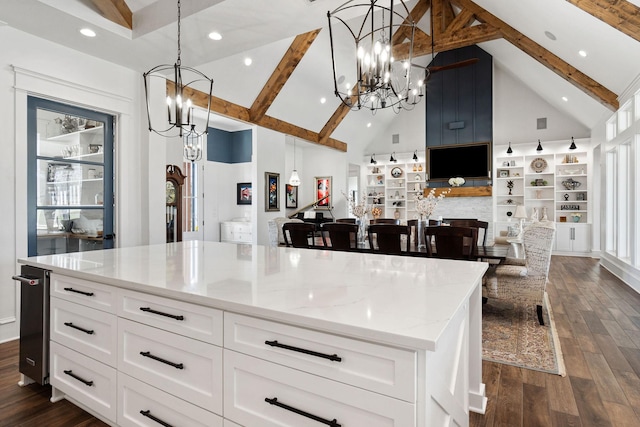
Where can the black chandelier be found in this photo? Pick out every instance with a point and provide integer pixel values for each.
(179, 107)
(373, 79)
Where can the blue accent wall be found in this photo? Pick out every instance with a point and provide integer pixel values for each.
(229, 147)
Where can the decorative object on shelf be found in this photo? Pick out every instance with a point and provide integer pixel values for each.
(576, 216)
(566, 197)
(396, 214)
(544, 216)
(179, 106)
(509, 214)
(415, 155)
(456, 182)
(376, 212)
(392, 159)
(425, 205)
(563, 219)
(68, 124)
(243, 193)
(509, 201)
(510, 187)
(291, 196)
(512, 163)
(415, 168)
(538, 164)
(521, 214)
(570, 158)
(419, 168)
(503, 173)
(534, 215)
(539, 182)
(272, 190)
(417, 187)
(294, 180)
(538, 194)
(95, 148)
(375, 169)
(396, 172)
(192, 145)
(377, 81)
(379, 180)
(581, 196)
(571, 184)
(539, 148)
(373, 159)
(509, 150)
(573, 145)
(323, 192)
(569, 207)
(418, 178)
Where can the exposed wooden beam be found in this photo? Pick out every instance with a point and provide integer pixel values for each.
(622, 15)
(238, 112)
(334, 121)
(542, 55)
(463, 20)
(416, 13)
(281, 74)
(448, 14)
(116, 11)
(448, 41)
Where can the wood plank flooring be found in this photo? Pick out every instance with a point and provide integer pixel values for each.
(598, 322)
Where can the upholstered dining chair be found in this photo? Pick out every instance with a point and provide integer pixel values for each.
(478, 225)
(525, 284)
(387, 238)
(343, 236)
(452, 242)
(385, 221)
(299, 234)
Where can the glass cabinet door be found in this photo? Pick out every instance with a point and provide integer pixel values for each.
(70, 176)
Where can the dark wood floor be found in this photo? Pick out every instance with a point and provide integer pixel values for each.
(598, 321)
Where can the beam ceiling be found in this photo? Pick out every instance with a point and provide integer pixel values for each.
(622, 15)
(116, 11)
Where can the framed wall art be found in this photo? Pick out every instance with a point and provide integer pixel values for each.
(244, 195)
(272, 189)
(291, 196)
(323, 192)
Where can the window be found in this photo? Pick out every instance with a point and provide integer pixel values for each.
(623, 196)
(610, 215)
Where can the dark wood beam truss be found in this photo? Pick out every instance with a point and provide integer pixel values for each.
(622, 15)
(116, 11)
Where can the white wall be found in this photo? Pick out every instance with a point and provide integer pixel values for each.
(409, 125)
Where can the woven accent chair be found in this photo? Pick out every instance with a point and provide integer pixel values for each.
(525, 284)
(275, 229)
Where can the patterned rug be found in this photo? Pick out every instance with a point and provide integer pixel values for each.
(512, 335)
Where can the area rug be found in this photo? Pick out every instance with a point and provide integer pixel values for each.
(511, 334)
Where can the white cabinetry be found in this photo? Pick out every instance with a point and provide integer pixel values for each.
(573, 238)
(235, 231)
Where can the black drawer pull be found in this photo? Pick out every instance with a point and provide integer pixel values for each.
(274, 401)
(159, 359)
(72, 375)
(89, 294)
(333, 357)
(86, 331)
(156, 419)
(149, 310)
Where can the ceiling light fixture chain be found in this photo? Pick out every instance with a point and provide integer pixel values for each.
(294, 180)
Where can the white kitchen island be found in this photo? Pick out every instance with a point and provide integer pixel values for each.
(218, 334)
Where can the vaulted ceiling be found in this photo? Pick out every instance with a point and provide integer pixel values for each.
(536, 41)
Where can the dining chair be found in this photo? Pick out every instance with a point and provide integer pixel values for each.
(484, 225)
(299, 234)
(413, 228)
(342, 236)
(385, 221)
(346, 220)
(387, 238)
(452, 242)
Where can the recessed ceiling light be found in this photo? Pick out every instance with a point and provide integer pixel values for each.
(215, 35)
(248, 61)
(323, 100)
(582, 53)
(87, 32)
(565, 99)
(369, 124)
(550, 35)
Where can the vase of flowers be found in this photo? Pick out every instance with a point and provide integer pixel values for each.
(456, 182)
(359, 209)
(425, 205)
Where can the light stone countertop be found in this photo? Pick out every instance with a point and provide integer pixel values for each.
(398, 300)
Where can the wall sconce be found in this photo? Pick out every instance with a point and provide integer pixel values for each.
(415, 155)
(373, 160)
(573, 145)
(509, 150)
(393, 159)
(539, 146)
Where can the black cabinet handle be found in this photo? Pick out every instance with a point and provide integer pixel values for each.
(89, 294)
(159, 359)
(74, 376)
(173, 316)
(156, 419)
(274, 401)
(332, 357)
(86, 331)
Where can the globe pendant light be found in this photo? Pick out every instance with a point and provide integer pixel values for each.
(294, 181)
(178, 106)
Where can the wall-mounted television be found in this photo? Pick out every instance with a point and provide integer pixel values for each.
(469, 161)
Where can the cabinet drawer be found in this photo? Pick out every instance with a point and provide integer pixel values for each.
(378, 368)
(184, 367)
(86, 330)
(250, 381)
(85, 380)
(85, 292)
(191, 320)
(139, 404)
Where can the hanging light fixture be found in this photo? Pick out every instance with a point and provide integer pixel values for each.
(392, 158)
(539, 146)
(573, 145)
(295, 179)
(373, 159)
(415, 155)
(509, 150)
(378, 81)
(178, 104)
(192, 143)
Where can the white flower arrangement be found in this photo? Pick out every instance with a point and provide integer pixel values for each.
(426, 205)
(358, 210)
(456, 182)
(577, 214)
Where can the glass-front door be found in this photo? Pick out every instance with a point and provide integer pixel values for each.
(70, 178)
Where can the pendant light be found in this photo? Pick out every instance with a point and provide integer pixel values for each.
(392, 158)
(509, 150)
(373, 159)
(415, 155)
(294, 181)
(192, 143)
(573, 145)
(539, 146)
